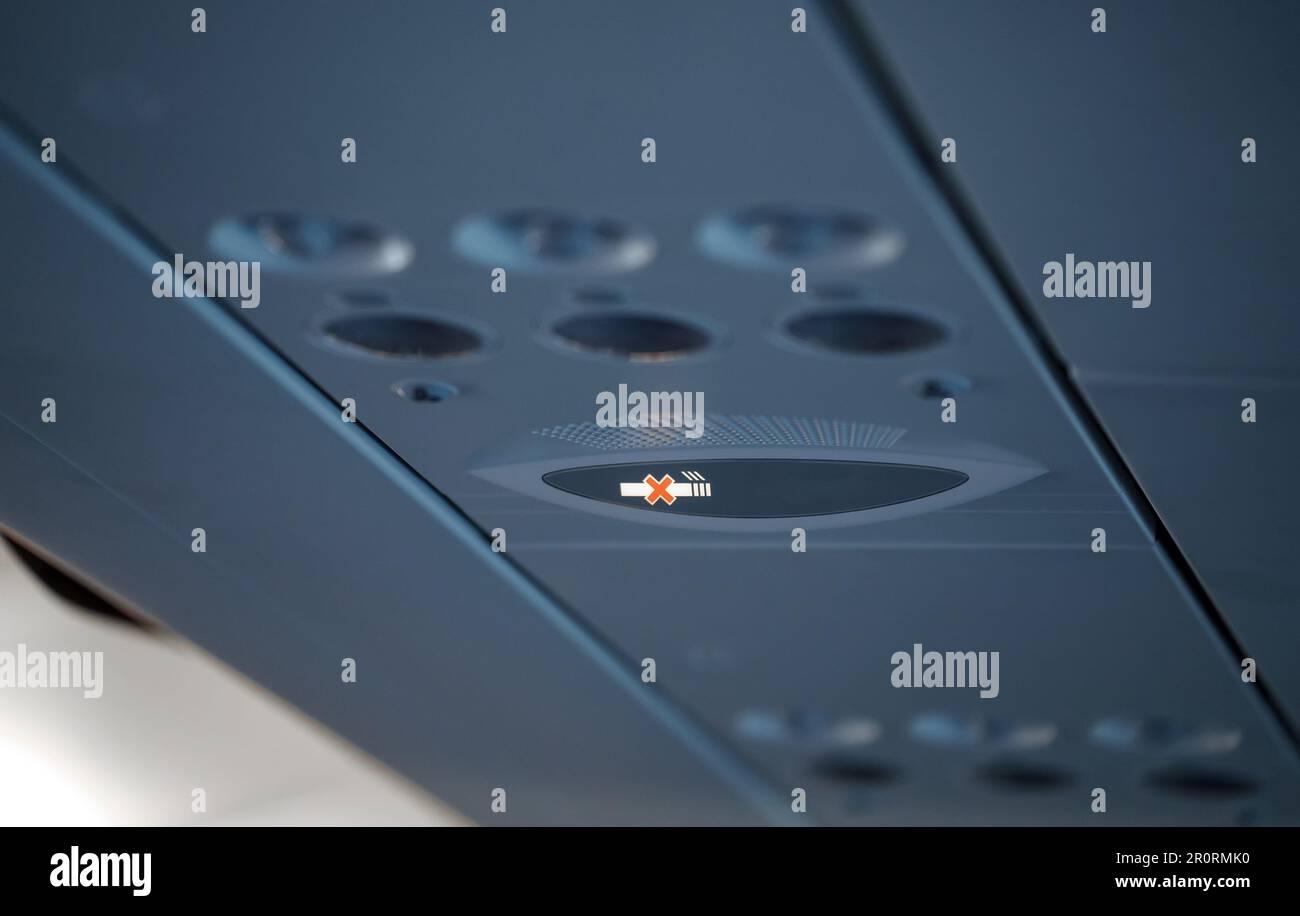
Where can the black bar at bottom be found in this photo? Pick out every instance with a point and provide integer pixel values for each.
(244, 864)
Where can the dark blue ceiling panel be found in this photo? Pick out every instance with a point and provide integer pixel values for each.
(774, 150)
(320, 545)
(1127, 145)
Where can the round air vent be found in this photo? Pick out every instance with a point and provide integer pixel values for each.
(779, 238)
(945, 730)
(301, 243)
(401, 336)
(807, 727)
(864, 331)
(1164, 735)
(551, 241)
(642, 338)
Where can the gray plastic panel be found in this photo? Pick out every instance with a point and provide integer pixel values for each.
(320, 545)
(1127, 146)
(453, 123)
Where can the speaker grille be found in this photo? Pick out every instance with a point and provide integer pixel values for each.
(734, 430)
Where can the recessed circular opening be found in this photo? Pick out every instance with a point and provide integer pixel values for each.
(856, 770)
(424, 392)
(303, 243)
(553, 241)
(782, 237)
(402, 336)
(640, 338)
(865, 331)
(1202, 783)
(1023, 776)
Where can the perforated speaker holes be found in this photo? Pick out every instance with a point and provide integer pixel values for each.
(864, 331)
(638, 337)
(401, 336)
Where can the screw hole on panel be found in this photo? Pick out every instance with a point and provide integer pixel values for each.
(425, 392)
(937, 386)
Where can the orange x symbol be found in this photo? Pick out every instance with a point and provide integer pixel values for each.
(659, 489)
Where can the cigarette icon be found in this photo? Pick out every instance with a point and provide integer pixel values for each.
(667, 489)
